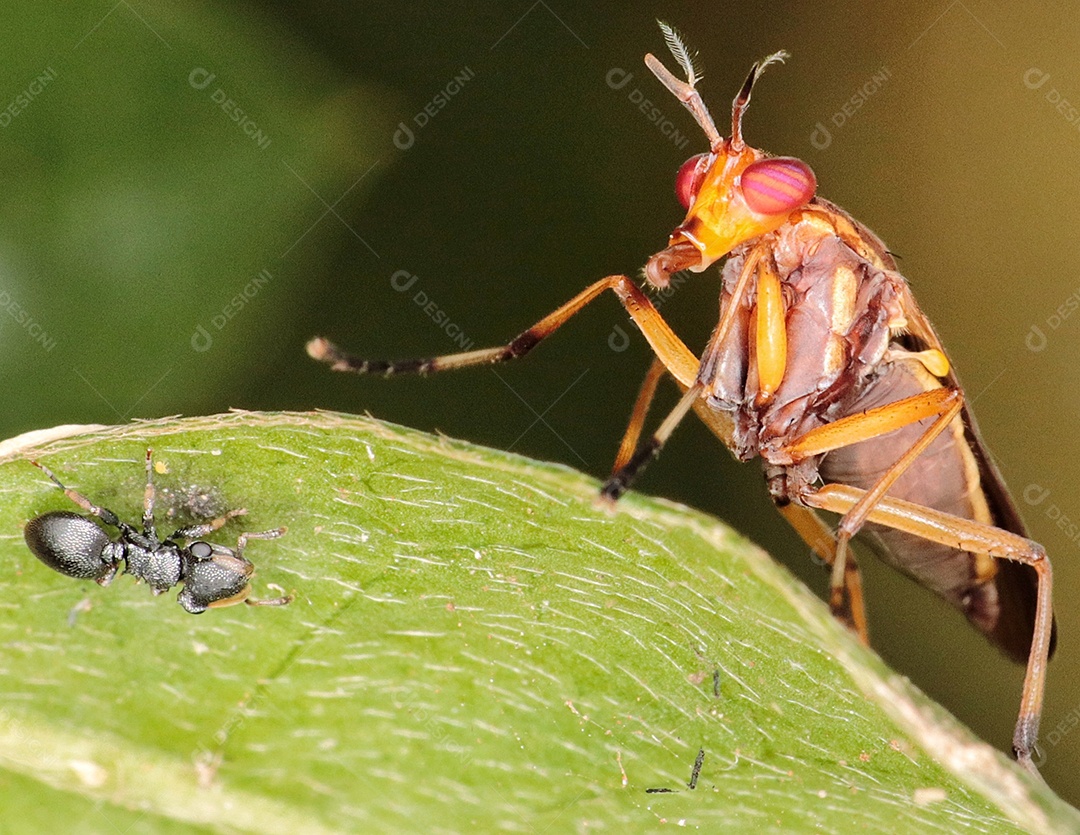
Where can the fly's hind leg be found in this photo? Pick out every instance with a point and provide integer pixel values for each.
(976, 538)
(846, 603)
(942, 405)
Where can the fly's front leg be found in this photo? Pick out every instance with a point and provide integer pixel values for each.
(668, 347)
(620, 480)
(975, 538)
(623, 476)
(670, 351)
(942, 404)
(770, 333)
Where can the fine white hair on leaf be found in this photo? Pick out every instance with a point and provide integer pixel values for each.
(682, 54)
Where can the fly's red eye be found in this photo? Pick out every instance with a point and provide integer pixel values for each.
(778, 185)
(688, 180)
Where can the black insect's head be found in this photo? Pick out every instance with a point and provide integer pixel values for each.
(213, 576)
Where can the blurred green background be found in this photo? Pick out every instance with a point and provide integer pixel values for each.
(193, 190)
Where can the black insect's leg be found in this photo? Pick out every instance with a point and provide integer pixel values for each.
(104, 514)
(195, 531)
(241, 542)
(149, 496)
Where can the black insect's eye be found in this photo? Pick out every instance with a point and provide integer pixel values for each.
(201, 550)
(689, 179)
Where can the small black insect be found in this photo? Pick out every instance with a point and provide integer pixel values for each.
(77, 546)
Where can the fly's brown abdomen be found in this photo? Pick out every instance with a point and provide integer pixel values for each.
(998, 597)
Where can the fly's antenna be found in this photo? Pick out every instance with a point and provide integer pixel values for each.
(742, 100)
(685, 91)
(686, 59)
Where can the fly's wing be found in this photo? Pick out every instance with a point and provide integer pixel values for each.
(1017, 584)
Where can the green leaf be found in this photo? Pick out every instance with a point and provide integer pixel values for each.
(474, 645)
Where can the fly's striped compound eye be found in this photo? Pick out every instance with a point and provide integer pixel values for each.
(777, 185)
(688, 180)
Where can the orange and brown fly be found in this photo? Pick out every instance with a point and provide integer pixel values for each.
(824, 366)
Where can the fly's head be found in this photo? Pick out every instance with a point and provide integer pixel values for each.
(732, 194)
